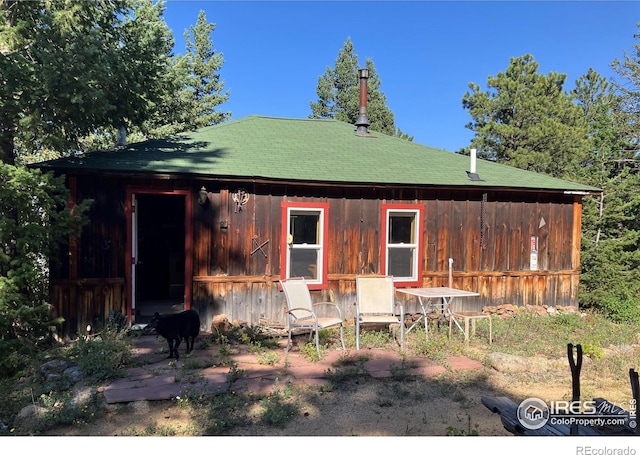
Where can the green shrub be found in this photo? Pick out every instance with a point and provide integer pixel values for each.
(621, 305)
(102, 356)
(34, 220)
(593, 351)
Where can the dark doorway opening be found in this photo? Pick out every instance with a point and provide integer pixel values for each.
(160, 260)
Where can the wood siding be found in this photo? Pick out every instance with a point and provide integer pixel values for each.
(236, 249)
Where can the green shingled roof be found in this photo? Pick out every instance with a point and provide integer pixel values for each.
(306, 150)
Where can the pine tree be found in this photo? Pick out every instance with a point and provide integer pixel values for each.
(526, 120)
(610, 231)
(198, 85)
(338, 93)
(610, 279)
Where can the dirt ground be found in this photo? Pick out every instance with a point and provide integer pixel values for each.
(439, 406)
(367, 407)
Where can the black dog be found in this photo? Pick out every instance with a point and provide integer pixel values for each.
(176, 327)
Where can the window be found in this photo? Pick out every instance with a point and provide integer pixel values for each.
(304, 234)
(402, 243)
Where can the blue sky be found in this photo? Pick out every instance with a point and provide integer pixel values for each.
(425, 52)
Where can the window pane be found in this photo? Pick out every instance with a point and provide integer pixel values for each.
(401, 262)
(401, 227)
(304, 227)
(304, 262)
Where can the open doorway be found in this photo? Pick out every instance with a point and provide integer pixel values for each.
(159, 258)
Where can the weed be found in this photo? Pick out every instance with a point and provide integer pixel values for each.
(593, 351)
(215, 414)
(399, 391)
(102, 356)
(349, 359)
(462, 400)
(375, 338)
(192, 363)
(205, 343)
(385, 402)
(402, 372)
(309, 352)
(346, 368)
(234, 373)
(60, 409)
(277, 411)
(453, 431)
(268, 358)
(437, 347)
(225, 349)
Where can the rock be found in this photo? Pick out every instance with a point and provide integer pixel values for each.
(82, 396)
(30, 418)
(56, 366)
(506, 363)
(73, 374)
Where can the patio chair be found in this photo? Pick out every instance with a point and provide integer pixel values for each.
(301, 312)
(375, 304)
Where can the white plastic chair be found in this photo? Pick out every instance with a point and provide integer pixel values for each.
(375, 304)
(301, 311)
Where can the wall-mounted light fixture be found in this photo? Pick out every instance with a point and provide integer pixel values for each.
(203, 196)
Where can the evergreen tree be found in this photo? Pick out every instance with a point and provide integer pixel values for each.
(609, 279)
(34, 220)
(338, 93)
(526, 120)
(627, 87)
(198, 85)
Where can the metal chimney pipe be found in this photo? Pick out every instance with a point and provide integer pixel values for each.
(362, 123)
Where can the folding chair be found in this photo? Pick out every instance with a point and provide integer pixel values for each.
(302, 315)
(375, 304)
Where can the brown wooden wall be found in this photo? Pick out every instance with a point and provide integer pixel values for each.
(487, 233)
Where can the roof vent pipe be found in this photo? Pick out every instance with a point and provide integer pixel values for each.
(473, 161)
(362, 123)
(471, 173)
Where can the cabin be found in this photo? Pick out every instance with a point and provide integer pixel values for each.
(212, 219)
